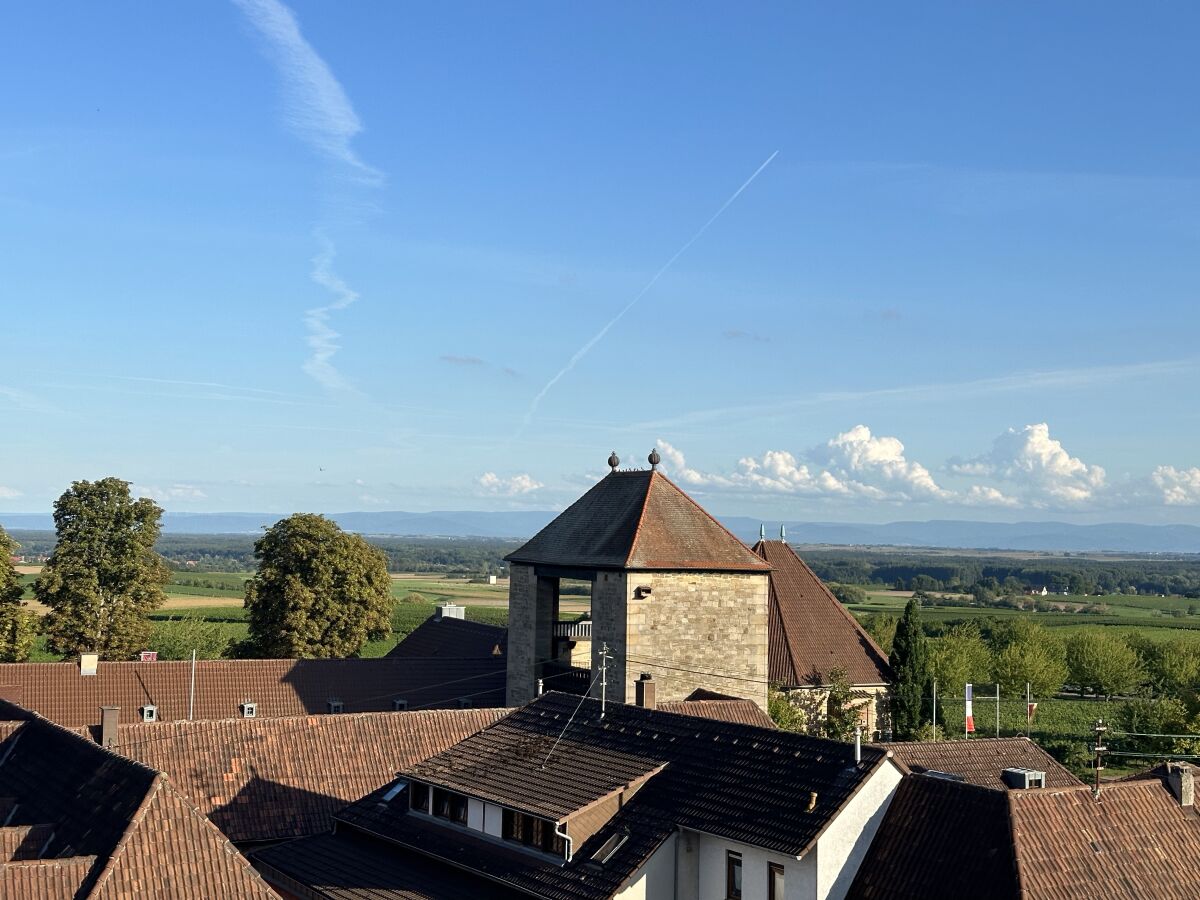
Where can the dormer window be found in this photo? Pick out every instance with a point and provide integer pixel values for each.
(449, 805)
(334, 706)
(249, 710)
(540, 834)
(399, 705)
(419, 797)
(149, 713)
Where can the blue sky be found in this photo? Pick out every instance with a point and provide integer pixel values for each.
(326, 256)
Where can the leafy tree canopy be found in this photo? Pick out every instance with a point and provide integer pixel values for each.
(1103, 662)
(103, 577)
(1028, 654)
(959, 657)
(16, 624)
(319, 591)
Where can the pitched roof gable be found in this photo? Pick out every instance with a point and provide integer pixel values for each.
(278, 687)
(810, 632)
(981, 761)
(637, 520)
(270, 779)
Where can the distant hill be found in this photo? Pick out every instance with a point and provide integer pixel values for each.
(950, 534)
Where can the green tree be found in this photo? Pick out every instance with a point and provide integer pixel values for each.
(784, 713)
(103, 577)
(178, 636)
(1027, 653)
(16, 624)
(319, 591)
(1102, 662)
(882, 627)
(959, 656)
(910, 667)
(842, 708)
(848, 593)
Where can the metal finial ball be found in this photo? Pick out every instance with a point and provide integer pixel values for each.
(614, 461)
(654, 458)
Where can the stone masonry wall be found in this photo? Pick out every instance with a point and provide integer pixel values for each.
(522, 629)
(609, 601)
(704, 621)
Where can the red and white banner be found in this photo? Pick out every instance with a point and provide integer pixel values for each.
(970, 696)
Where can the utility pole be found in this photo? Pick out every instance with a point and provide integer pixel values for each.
(997, 709)
(603, 677)
(935, 727)
(1100, 749)
(192, 689)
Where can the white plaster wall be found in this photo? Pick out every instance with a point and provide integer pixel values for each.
(840, 850)
(493, 820)
(475, 814)
(799, 875)
(655, 880)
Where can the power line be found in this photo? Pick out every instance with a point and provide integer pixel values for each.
(578, 707)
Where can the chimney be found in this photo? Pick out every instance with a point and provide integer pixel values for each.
(109, 717)
(644, 692)
(1180, 776)
(88, 663)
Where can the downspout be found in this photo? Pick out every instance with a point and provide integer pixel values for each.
(567, 838)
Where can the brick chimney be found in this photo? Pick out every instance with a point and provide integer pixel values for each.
(1181, 778)
(109, 717)
(643, 692)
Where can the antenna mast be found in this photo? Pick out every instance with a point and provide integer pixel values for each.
(603, 677)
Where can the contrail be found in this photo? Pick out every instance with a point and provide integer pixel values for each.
(598, 336)
(321, 114)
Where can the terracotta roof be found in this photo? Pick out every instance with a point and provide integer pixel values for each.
(943, 838)
(269, 779)
(1135, 841)
(981, 760)
(747, 784)
(118, 828)
(940, 840)
(450, 638)
(709, 705)
(809, 632)
(279, 687)
(637, 520)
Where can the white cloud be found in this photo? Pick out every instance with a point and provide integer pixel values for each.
(854, 463)
(984, 495)
(7, 493)
(1180, 487)
(372, 500)
(508, 487)
(162, 494)
(1039, 468)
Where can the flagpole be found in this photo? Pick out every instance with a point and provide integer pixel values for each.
(935, 729)
(997, 709)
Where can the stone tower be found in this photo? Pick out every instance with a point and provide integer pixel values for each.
(674, 595)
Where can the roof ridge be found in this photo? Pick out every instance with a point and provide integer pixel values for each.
(637, 531)
(127, 835)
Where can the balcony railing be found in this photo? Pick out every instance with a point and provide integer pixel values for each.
(568, 679)
(576, 631)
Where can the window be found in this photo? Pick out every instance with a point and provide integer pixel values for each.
(149, 713)
(334, 706)
(532, 832)
(733, 875)
(399, 705)
(775, 882)
(420, 797)
(249, 710)
(449, 805)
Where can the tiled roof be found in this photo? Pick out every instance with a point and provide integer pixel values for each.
(1135, 841)
(118, 827)
(451, 638)
(747, 784)
(279, 687)
(940, 840)
(726, 709)
(981, 760)
(345, 866)
(944, 839)
(269, 779)
(637, 520)
(810, 633)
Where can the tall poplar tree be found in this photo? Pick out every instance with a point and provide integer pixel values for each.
(103, 578)
(319, 591)
(910, 667)
(16, 624)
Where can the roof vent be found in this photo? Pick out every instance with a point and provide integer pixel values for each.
(249, 710)
(1023, 779)
(606, 850)
(399, 705)
(88, 663)
(149, 713)
(945, 776)
(334, 705)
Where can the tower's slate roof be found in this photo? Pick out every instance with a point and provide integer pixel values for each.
(809, 632)
(638, 520)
